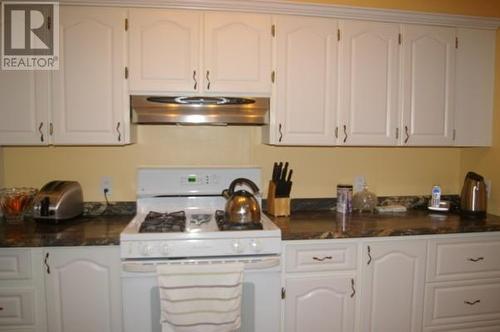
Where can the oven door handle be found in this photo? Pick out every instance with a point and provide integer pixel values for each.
(250, 264)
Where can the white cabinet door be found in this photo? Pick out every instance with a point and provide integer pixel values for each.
(305, 91)
(474, 87)
(83, 289)
(393, 286)
(428, 85)
(24, 110)
(89, 94)
(237, 53)
(369, 83)
(164, 50)
(320, 304)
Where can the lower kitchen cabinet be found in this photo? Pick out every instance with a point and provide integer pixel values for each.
(320, 303)
(83, 289)
(393, 275)
(320, 286)
(63, 289)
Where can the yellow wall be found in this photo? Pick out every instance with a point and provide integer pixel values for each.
(389, 171)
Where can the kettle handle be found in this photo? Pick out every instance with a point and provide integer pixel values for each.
(248, 182)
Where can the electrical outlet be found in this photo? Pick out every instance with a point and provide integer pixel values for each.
(487, 182)
(107, 183)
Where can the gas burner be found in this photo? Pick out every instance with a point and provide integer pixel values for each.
(157, 222)
(201, 218)
(229, 226)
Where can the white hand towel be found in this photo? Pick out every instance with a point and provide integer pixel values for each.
(205, 298)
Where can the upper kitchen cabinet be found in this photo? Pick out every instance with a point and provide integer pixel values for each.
(90, 103)
(428, 85)
(304, 105)
(164, 50)
(197, 52)
(369, 83)
(474, 87)
(24, 115)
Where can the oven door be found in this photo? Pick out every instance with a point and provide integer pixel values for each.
(261, 301)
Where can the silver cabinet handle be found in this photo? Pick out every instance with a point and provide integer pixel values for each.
(407, 134)
(45, 261)
(352, 288)
(51, 129)
(336, 132)
(397, 133)
(41, 132)
(208, 79)
(345, 133)
(195, 80)
(322, 258)
(475, 260)
(281, 133)
(472, 303)
(118, 131)
(369, 255)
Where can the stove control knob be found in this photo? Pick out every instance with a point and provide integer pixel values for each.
(238, 247)
(256, 245)
(164, 249)
(145, 250)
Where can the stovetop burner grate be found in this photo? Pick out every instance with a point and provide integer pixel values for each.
(229, 226)
(158, 222)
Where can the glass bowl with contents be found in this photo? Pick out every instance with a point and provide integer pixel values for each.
(15, 201)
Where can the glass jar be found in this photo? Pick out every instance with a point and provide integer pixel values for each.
(364, 200)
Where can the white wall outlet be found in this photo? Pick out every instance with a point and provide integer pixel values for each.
(487, 182)
(107, 183)
(359, 183)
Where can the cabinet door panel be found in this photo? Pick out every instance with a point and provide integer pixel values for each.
(89, 98)
(25, 104)
(428, 85)
(369, 82)
(83, 290)
(237, 52)
(319, 304)
(164, 50)
(393, 286)
(474, 87)
(306, 80)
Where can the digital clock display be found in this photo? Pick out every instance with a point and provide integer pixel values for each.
(192, 179)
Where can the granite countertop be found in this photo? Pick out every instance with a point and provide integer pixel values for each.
(331, 225)
(81, 231)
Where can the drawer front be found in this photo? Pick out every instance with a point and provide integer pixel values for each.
(17, 306)
(460, 302)
(15, 263)
(320, 257)
(459, 259)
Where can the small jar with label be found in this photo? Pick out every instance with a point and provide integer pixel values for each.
(344, 198)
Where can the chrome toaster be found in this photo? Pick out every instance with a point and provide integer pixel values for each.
(58, 200)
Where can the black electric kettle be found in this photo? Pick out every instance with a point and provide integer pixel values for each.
(241, 207)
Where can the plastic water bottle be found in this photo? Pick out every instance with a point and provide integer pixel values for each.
(436, 196)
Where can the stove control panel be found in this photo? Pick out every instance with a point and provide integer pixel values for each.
(199, 247)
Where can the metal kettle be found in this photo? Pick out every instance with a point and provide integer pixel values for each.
(242, 207)
(473, 198)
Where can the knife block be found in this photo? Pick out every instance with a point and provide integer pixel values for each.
(277, 206)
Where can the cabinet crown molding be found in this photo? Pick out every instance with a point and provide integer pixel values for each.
(308, 9)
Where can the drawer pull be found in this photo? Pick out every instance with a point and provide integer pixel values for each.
(1, 308)
(475, 259)
(352, 287)
(472, 303)
(322, 259)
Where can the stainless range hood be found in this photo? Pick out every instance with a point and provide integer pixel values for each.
(199, 110)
